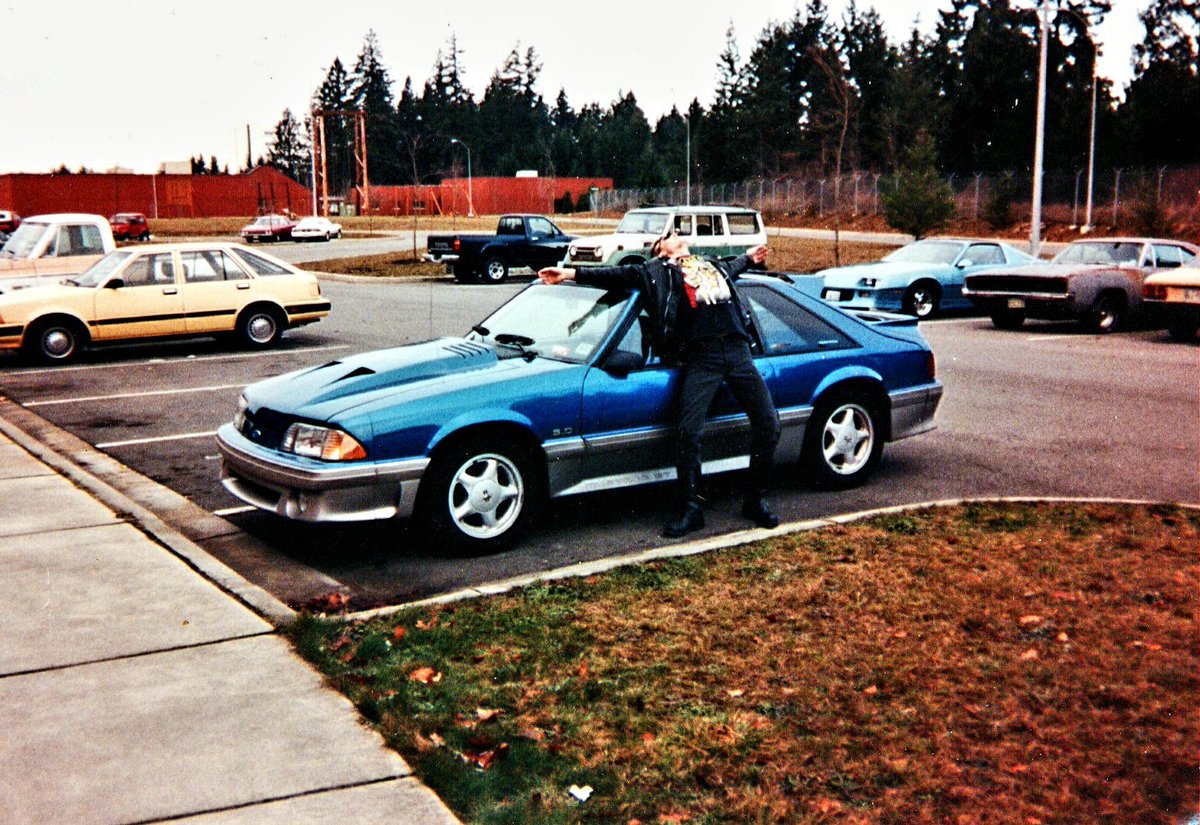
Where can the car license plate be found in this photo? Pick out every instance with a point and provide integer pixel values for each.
(835, 295)
(1016, 303)
(1191, 296)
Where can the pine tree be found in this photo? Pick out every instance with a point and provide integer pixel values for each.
(371, 92)
(921, 201)
(335, 95)
(289, 151)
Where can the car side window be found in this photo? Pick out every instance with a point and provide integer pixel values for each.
(638, 341)
(78, 240)
(707, 226)
(150, 270)
(1168, 256)
(983, 253)
(258, 265)
(209, 265)
(786, 327)
(541, 227)
(683, 224)
(510, 226)
(742, 224)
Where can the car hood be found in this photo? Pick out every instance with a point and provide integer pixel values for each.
(368, 379)
(1052, 270)
(629, 240)
(20, 291)
(847, 276)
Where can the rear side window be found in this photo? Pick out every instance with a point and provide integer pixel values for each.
(510, 226)
(984, 253)
(743, 224)
(78, 240)
(708, 225)
(210, 265)
(260, 266)
(1168, 256)
(787, 327)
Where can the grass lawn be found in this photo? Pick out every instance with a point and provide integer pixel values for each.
(980, 663)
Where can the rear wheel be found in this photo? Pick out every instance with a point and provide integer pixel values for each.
(922, 299)
(1107, 313)
(495, 270)
(843, 440)
(1182, 328)
(1008, 319)
(479, 495)
(56, 341)
(259, 327)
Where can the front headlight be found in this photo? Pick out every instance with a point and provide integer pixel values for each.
(868, 282)
(239, 419)
(572, 250)
(324, 443)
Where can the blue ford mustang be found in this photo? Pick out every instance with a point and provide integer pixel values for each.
(921, 279)
(560, 392)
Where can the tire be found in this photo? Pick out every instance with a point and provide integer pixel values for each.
(1008, 319)
(479, 495)
(145, 236)
(259, 327)
(495, 270)
(1107, 314)
(843, 440)
(56, 341)
(922, 299)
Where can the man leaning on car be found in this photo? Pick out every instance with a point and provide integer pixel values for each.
(710, 331)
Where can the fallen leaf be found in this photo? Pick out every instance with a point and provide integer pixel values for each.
(736, 693)
(535, 734)
(1017, 768)
(1029, 655)
(582, 794)
(673, 819)
(427, 625)
(900, 634)
(1063, 637)
(399, 633)
(827, 806)
(871, 691)
(425, 675)
(1030, 619)
(648, 738)
(583, 669)
(436, 738)
(329, 602)
(487, 714)
(486, 759)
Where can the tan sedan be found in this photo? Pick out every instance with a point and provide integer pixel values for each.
(161, 291)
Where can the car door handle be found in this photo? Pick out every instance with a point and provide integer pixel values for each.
(170, 290)
(243, 286)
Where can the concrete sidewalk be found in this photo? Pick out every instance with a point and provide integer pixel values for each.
(134, 690)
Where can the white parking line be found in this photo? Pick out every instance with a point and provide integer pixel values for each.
(155, 440)
(56, 401)
(233, 511)
(190, 359)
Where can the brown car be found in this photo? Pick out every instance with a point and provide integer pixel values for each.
(1097, 282)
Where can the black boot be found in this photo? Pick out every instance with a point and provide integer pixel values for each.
(691, 509)
(754, 506)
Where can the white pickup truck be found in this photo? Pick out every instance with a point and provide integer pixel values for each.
(53, 247)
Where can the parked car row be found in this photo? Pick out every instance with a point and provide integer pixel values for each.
(283, 228)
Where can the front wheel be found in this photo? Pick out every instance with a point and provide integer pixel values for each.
(922, 299)
(56, 342)
(479, 495)
(259, 327)
(1106, 314)
(843, 441)
(495, 270)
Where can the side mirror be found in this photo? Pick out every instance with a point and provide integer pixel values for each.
(623, 362)
(114, 283)
(965, 262)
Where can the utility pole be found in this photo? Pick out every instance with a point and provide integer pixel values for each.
(1035, 229)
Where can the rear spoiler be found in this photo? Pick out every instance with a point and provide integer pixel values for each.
(882, 319)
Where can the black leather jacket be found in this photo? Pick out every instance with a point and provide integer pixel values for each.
(662, 284)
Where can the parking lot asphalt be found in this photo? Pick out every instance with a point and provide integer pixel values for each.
(141, 681)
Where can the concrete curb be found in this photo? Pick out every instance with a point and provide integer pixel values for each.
(723, 542)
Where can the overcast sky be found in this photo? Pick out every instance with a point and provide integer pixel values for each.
(135, 83)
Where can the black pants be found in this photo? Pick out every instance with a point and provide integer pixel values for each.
(709, 363)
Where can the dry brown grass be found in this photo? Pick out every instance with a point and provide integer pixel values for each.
(986, 663)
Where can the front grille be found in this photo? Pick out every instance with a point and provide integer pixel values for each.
(586, 253)
(1017, 284)
(265, 427)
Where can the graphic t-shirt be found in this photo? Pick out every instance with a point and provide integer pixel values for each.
(709, 312)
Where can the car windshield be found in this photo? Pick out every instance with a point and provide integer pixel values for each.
(564, 323)
(25, 240)
(643, 223)
(264, 221)
(926, 252)
(1101, 252)
(98, 272)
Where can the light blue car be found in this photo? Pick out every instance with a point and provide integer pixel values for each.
(921, 279)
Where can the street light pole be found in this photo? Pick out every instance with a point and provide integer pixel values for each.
(1087, 220)
(470, 192)
(1035, 230)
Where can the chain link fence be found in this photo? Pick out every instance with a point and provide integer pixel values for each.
(1114, 193)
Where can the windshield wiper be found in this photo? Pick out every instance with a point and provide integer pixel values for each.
(520, 342)
(481, 330)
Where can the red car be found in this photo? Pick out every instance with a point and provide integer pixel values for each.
(268, 228)
(127, 225)
(9, 221)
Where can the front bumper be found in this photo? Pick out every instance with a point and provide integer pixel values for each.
(886, 300)
(307, 490)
